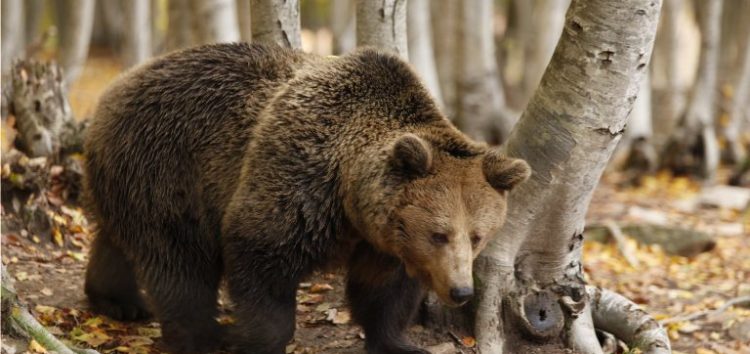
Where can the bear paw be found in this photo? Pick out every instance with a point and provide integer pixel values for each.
(120, 310)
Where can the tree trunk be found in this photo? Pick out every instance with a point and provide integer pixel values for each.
(137, 41)
(78, 18)
(481, 109)
(642, 156)
(547, 20)
(421, 54)
(244, 12)
(343, 26)
(740, 111)
(276, 22)
(530, 277)
(672, 102)
(215, 21)
(113, 23)
(12, 41)
(179, 29)
(693, 147)
(445, 37)
(382, 24)
(33, 12)
(40, 105)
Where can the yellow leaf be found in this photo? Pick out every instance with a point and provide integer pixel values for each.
(469, 342)
(35, 347)
(57, 236)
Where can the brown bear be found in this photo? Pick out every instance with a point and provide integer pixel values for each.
(259, 165)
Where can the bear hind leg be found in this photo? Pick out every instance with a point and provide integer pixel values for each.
(111, 285)
(383, 303)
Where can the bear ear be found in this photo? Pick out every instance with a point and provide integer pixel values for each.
(503, 173)
(411, 156)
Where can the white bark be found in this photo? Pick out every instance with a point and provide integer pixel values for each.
(33, 11)
(481, 100)
(567, 134)
(669, 38)
(547, 20)
(74, 44)
(179, 29)
(215, 21)
(382, 24)
(343, 26)
(421, 54)
(642, 156)
(12, 41)
(445, 33)
(615, 314)
(137, 39)
(243, 19)
(740, 111)
(276, 22)
(697, 126)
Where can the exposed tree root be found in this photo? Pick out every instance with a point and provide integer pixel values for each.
(694, 316)
(615, 314)
(18, 320)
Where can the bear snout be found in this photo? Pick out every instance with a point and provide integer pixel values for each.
(461, 295)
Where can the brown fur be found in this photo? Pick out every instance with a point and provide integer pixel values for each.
(264, 164)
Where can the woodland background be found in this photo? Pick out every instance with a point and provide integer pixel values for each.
(668, 225)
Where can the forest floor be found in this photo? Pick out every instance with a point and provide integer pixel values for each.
(48, 270)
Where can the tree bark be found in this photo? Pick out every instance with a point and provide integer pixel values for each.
(445, 33)
(179, 29)
(78, 18)
(33, 11)
(480, 111)
(693, 147)
(547, 20)
(669, 42)
(276, 22)
(12, 36)
(421, 54)
(40, 105)
(740, 110)
(642, 156)
(530, 276)
(137, 41)
(215, 21)
(343, 26)
(244, 13)
(382, 24)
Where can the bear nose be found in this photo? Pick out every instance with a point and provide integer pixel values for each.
(461, 295)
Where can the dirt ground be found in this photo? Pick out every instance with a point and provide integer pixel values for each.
(50, 279)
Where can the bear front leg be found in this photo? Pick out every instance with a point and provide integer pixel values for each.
(265, 300)
(384, 300)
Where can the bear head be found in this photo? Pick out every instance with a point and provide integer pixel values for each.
(444, 208)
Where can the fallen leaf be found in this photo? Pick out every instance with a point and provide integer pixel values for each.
(320, 287)
(35, 347)
(469, 342)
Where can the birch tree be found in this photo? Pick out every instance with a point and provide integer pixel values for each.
(642, 156)
(215, 21)
(421, 54)
(343, 26)
(547, 21)
(278, 22)
(445, 38)
(480, 111)
(137, 39)
(179, 28)
(382, 24)
(77, 21)
(243, 20)
(696, 130)
(530, 277)
(739, 114)
(12, 41)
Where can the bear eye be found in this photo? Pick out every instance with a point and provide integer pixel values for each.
(439, 238)
(475, 239)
